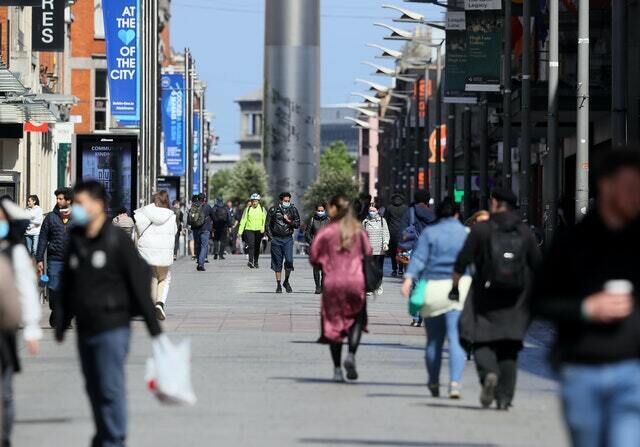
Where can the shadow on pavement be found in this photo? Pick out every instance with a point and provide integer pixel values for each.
(377, 345)
(332, 441)
(43, 421)
(408, 396)
(455, 406)
(316, 380)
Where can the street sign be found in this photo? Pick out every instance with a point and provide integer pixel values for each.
(456, 20)
(173, 122)
(484, 51)
(47, 31)
(482, 5)
(443, 144)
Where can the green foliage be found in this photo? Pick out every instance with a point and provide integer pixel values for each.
(335, 177)
(247, 177)
(218, 182)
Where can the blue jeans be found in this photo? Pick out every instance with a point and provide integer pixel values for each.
(32, 244)
(203, 246)
(282, 251)
(54, 271)
(602, 403)
(438, 328)
(103, 358)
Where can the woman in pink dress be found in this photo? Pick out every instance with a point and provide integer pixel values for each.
(339, 250)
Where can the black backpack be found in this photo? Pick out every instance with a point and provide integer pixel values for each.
(196, 216)
(220, 215)
(506, 259)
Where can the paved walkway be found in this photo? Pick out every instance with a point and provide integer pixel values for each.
(262, 380)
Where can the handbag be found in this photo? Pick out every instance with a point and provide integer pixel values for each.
(436, 296)
(372, 272)
(416, 300)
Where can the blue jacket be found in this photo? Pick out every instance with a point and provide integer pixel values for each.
(437, 250)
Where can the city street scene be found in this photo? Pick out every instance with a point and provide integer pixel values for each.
(319, 223)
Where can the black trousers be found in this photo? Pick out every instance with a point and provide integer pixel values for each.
(355, 335)
(253, 240)
(393, 248)
(220, 240)
(318, 276)
(500, 358)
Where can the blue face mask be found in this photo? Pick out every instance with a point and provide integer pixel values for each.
(79, 216)
(4, 229)
(321, 213)
(286, 204)
(373, 214)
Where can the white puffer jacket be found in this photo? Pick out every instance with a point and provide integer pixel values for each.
(156, 229)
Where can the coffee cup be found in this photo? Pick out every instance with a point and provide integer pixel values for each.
(618, 287)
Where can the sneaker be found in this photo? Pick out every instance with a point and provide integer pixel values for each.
(350, 367)
(394, 274)
(279, 289)
(222, 258)
(488, 393)
(318, 291)
(206, 261)
(215, 257)
(503, 405)
(201, 268)
(434, 389)
(250, 265)
(255, 265)
(455, 390)
(287, 287)
(380, 291)
(338, 377)
(160, 313)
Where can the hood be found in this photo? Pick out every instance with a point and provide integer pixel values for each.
(397, 200)
(320, 219)
(507, 219)
(425, 215)
(157, 216)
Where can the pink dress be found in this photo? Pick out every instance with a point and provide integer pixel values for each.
(343, 294)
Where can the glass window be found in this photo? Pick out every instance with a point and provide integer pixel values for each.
(100, 88)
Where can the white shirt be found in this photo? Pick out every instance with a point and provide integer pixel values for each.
(36, 218)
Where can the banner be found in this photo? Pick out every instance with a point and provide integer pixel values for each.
(197, 155)
(484, 50)
(455, 70)
(173, 117)
(47, 31)
(122, 35)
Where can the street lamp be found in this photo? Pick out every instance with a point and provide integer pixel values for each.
(386, 71)
(368, 98)
(377, 87)
(386, 52)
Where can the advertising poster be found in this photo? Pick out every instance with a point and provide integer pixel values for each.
(122, 29)
(455, 63)
(171, 185)
(111, 160)
(173, 117)
(484, 49)
(197, 155)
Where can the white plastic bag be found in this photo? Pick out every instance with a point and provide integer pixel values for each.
(169, 372)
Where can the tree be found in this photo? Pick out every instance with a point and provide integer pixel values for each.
(219, 181)
(247, 177)
(335, 177)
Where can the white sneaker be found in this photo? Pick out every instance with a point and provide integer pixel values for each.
(160, 313)
(380, 291)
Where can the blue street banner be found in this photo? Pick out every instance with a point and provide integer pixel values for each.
(197, 154)
(122, 35)
(173, 117)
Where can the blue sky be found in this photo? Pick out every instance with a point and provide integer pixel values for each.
(227, 36)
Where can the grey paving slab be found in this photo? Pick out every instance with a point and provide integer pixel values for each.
(262, 380)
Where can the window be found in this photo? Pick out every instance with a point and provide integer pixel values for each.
(98, 20)
(255, 124)
(100, 101)
(365, 142)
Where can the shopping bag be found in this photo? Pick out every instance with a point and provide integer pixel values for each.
(416, 299)
(436, 296)
(169, 372)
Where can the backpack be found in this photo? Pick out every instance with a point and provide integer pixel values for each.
(220, 215)
(196, 216)
(410, 235)
(506, 259)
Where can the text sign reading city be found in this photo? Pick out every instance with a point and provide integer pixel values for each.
(122, 32)
(47, 31)
(173, 123)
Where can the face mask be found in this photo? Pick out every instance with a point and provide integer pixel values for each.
(4, 229)
(373, 214)
(321, 213)
(64, 210)
(79, 215)
(286, 204)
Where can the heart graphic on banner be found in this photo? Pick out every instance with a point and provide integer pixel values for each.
(126, 36)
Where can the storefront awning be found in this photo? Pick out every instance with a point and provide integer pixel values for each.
(19, 106)
(9, 83)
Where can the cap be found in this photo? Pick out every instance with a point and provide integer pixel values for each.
(502, 194)
(255, 196)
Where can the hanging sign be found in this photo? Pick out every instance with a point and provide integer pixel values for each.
(482, 5)
(47, 31)
(122, 35)
(197, 155)
(173, 116)
(484, 50)
(456, 20)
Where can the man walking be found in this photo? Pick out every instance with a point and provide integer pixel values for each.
(54, 234)
(589, 287)
(201, 221)
(222, 222)
(252, 227)
(105, 284)
(505, 254)
(282, 220)
(394, 215)
(233, 231)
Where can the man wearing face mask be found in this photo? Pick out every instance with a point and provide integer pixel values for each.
(54, 235)
(105, 284)
(318, 221)
(282, 220)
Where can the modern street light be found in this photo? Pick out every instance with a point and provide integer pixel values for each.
(377, 87)
(386, 52)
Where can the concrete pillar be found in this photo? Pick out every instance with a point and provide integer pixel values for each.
(291, 94)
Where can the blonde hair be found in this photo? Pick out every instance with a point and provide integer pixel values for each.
(349, 225)
(477, 216)
(161, 199)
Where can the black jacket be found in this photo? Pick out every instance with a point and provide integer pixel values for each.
(424, 217)
(315, 225)
(579, 262)
(105, 283)
(276, 226)
(394, 215)
(54, 235)
(498, 316)
(228, 220)
(208, 218)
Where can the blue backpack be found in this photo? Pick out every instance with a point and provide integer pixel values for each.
(411, 234)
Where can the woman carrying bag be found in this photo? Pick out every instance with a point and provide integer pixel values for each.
(429, 277)
(340, 250)
(377, 230)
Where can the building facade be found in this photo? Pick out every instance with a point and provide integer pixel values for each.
(251, 121)
(334, 127)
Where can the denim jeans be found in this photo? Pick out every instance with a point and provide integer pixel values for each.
(103, 358)
(32, 244)
(54, 271)
(282, 251)
(438, 328)
(203, 246)
(602, 403)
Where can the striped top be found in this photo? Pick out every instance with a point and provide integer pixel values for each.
(378, 232)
